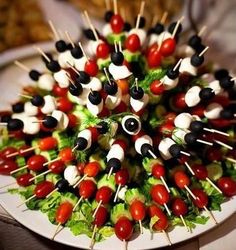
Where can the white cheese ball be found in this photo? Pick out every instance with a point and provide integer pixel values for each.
(192, 97)
(153, 38)
(145, 139)
(49, 104)
(215, 85)
(87, 135)
(164, 146)
(62, 118)
(119, 72)
(30, 109)
(64, 58)
(213, 110)
(112, 101)
(94, 84)
(80, 63)
(183, 120)
(169, 83)
(187, 68)
(186, 50)
(163, 36)
(106, 30)
(46, 81)
(178, 135)
(62, 78)
(121, 194)
(95, 109)
(71, 174)
(116, 151)
(31, 125)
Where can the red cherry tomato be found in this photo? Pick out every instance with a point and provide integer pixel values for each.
(58, 91)
(157, 88)
(91, 67)
(160, 194)
(101, 216)
(135, 137)
(92, 169)
(162, 222)
(122, 177)
(27, 153)
(43, 189)
(87, 188)
(64, 104)
(7, 151)
(137, 210)
(154, 59)
(80, 167)
(168, 47)
(122, 107)
(47, 143)
(227, 185)
(201, 198)
(158, 170)
(66, 155)
(170, 117)
(94, 133)
(123, 229)
(36, 162)
(132, 43)
(220, 123)
(73, 120)
(104, 113)
(179, 101)
(166, 128)
(57, 167)
(24, 180)
(117, 23)
(64, 212)
(152, 48)
(179, 207)
(103, 51)
(214, 154)
(104, 194)
(7, 166)
(122, 143)
(200, 171)
(198, 110)
(181, 179)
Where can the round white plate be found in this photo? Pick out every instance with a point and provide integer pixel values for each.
(53, 10)
(14, 78)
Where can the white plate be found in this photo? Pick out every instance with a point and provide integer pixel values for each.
(53, 10)
(38, 222)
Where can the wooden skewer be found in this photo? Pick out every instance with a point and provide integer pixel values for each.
(117, 192)
(107, 76)
(141, 11)
(167, 237)
(29, 199)
(205, 142)
(3, 123)
(185, 153)
(110, 173)
(26, 96)
(42, 53)
(115, 7)
(184, 222)
(99, 205)
(39, 175)
(55, 33)
(223, 144)
(51, 161)
(51, 193)
(210, 214)
(7, 185)
(115, 44)
(69, 38)
(164, 17)
(107, 4)
(91, 25)
(79, 181)
(136, 82)
(189, 168)
(138, 21)
(202, 30)
(165, 184)
(73, 68)
(177, 64)
(213, 185)
(125, 245)
(167, 209)
(120, 46)
(18, 169)
(82, 49)
(204, 51)
(70, 80)
(152, 154)
(56, 231)
(22, 66)
(140, 226)
(190, 192)
(77, 204)
(93, 236)
(230, 159)
(177, 26)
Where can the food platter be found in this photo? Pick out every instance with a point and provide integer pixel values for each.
(38, 222)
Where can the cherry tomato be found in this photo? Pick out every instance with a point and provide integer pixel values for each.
(160, 194)
(122, 107)
(157, 88)
(117, 23)
(200, 171)
(168, 47)
(94, 133)
(154, 59)
(7, 166)
(43, 189)
(101, 216)
(47, 143)
(122, 143)
(104, 194)
(104, 113)
(166, 128)
(64, 212)
(103, 50)
(92, 169)
(214, 154)
(158, 170)
(137, 210)
(122, 177)
(66, 155)
(162, 222)
(179, 101)
(58, 91)
(201, 198)
(91, 67)
(57, 167)
(220, 123)
(170, 117)
(132, 43)
(24, 180)
(135, 137)
(87, 188)
(179, 207)
(152, 48)
(27, 153)
(64, 105)
(181, 179)
(227, 185)
(36, 162)
(73, 120)
(123, 229)
(7, 151)
(80, 167)
(123, 84)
